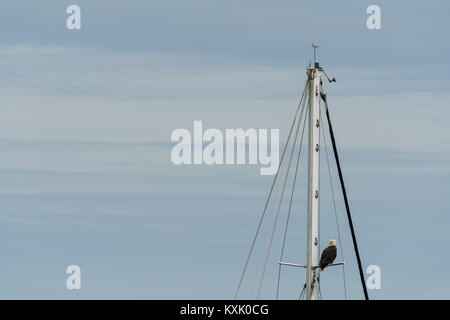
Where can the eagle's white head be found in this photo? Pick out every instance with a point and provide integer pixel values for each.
(332, 242)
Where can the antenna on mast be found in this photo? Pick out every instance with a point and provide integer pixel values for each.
(315, 46)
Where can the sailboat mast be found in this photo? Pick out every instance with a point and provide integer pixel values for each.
(312, 272)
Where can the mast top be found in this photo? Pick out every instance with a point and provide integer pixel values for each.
(316, 64)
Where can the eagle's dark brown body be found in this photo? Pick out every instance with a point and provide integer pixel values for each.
(328, 256)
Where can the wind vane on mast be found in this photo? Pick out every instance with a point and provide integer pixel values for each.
(315, 46)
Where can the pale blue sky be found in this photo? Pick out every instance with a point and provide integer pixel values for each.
(86, 118)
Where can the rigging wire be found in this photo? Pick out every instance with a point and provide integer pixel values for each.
(302, 292)
(258, 264)
(270, 192)
(320, 291)
(282, 195)
(344, 192)
(266, 232)
(290, 203)
(334, 207)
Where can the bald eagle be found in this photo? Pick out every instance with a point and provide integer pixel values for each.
(328, 255)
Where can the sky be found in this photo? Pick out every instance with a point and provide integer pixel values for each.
(86, 118)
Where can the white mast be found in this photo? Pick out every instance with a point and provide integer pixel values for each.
(312, 272)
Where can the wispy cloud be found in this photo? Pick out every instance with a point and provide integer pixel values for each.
(81, 94)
